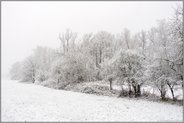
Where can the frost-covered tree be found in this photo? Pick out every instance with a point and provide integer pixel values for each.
(167, 54)
(44, 57)
(29, 69)
(102, 46)
(108, 72)
(129, 68)
(175, 49)
(158, 78)
(75, 67)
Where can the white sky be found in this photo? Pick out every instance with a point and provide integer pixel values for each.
(24, 25)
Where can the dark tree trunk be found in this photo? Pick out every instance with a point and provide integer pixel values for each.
(172, 92)
(162, 91)
(110, 84)
(138, 90)
(135, 90)
(130, 91)
(100, 55)
(129, 88)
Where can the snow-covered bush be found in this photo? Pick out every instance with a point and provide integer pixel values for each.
(42, 75)
(56, 70)
(71, 68)
(74, 68)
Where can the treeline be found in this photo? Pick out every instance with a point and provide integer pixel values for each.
(153, 57)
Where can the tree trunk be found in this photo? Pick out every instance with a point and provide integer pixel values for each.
(96, 56)
(110, 84)
(138, 90)
(163, 92)
(100, 55)
(130, 91)
(172, 92)
(135, 90)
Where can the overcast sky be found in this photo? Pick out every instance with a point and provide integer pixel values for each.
(25, 25)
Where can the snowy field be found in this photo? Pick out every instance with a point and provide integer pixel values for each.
(29, 102)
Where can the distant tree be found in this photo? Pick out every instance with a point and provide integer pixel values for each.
(102, 46)
(72, 68)
(143, 39)
(44, 57)
(124, 40)
(68, 40)
(29, 69)
(108, 72)
(15, 71)
(126, 37)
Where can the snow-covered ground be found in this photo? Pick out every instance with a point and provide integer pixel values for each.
(30, 102)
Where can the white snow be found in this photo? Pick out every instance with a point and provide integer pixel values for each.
(30, 102)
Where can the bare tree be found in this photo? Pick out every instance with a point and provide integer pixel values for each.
(68, 40)
(143, 40)
(127, 37)
(102, 41)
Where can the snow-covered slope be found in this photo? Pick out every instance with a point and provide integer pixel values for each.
(29, 102)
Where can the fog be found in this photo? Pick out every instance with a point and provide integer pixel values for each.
(26, 25)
